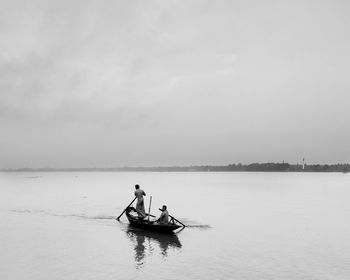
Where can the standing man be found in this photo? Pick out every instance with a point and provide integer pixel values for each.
(140, 205)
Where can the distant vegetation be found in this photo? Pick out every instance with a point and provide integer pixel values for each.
(253, 167)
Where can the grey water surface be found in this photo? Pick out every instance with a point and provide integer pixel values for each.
(61, 225)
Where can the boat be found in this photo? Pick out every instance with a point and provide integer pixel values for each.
(147, 224)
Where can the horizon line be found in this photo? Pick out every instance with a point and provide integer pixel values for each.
(126, 167)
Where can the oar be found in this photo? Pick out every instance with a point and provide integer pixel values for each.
(125, 209)
(175, 219)
(149, 208)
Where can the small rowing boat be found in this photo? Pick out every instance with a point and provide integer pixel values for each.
(146, 224)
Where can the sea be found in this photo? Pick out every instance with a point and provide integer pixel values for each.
(62, 225)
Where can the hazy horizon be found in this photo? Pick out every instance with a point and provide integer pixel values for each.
(155, 167)
(166, 83)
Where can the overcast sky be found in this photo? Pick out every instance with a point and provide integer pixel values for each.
(154, 83)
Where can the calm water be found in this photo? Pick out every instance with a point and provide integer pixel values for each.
(241, 226)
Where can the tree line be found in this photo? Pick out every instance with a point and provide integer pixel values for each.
(252, 167)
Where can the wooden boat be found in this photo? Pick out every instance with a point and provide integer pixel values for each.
(146, 224)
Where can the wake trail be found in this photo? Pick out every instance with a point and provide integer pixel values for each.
(199, 226)
(80, 216)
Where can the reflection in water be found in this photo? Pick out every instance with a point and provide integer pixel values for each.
(145, 242)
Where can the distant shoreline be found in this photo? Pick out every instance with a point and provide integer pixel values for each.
(253, 167)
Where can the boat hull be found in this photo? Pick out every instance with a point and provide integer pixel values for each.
(151, 226)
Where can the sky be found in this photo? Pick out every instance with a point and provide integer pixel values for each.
(161, 83)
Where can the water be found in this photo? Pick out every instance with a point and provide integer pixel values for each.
(241, 226)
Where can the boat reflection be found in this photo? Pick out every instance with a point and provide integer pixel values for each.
(147, 243)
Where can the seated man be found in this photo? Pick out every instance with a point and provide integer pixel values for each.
(164, 217)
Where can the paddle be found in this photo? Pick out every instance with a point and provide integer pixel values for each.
(125, 209)
(149, 208)
(175, 219)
